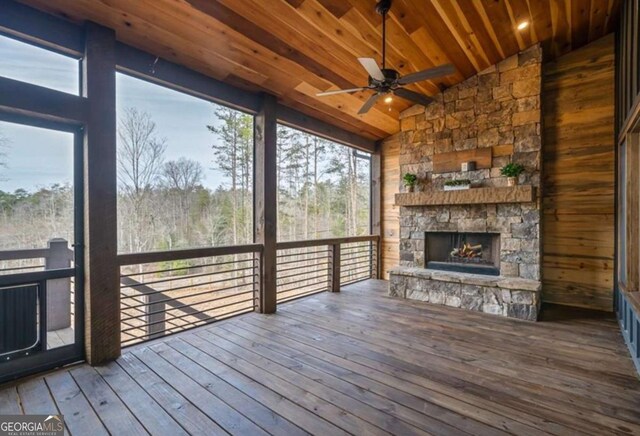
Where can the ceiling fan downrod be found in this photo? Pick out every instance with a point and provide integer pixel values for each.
(383, 7)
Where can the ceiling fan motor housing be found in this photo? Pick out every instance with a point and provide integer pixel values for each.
(383, 6)
(390, 81)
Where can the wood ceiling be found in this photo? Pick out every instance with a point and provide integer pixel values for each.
(296, 48)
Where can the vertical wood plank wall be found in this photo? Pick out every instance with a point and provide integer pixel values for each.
(579, 177)
(390, 224)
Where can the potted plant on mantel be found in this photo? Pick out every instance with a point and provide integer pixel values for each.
(457, 185)
(410, 181)
(511, 171)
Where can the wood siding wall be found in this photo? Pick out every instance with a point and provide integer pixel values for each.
(579, 177)
(390, 228)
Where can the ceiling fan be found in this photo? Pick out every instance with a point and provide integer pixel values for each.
(386, 80)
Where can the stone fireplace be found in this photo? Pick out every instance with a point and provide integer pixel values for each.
(477, 249)
(465, 252)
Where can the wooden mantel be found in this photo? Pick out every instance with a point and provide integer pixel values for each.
(516, 194)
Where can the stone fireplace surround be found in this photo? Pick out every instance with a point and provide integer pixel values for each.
(498, 108)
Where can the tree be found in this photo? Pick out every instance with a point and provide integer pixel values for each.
(182, 175)
(233, 156)
(140, 151)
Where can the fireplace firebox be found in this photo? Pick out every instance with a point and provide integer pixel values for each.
(474, 253)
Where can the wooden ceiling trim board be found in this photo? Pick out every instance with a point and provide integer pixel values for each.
(518, 12)
(337, 7)
(477, 26)
(130, 35)
(560, 17)
(239, 48)
(406, 16)
(580, 14)
(486, 24)
(341, 57)
(443, 36)
(541, 22)
(258, 35)
(498, 19)
(459, 28)
(422, 37)
(314, 46)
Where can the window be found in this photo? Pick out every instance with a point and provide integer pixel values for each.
(323, 188)
(36, 186)
(185, 170)
(31, 64)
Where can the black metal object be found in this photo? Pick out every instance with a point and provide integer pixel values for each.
(19, 307)
(468, 268)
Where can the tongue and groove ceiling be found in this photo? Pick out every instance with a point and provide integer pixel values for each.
(296, 48)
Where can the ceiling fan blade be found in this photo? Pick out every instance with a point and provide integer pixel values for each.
(368, 104)
(431, 73)
(372, 68)
(340, 91)
(413, 96)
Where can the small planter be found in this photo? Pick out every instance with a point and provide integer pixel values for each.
(456, 187)
(512, 181)
(410, 188)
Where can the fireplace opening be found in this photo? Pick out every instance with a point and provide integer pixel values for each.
(474, 253)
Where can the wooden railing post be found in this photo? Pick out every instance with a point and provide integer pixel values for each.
(334, 268)
(101, 283)
(58, 290)
(264, 198)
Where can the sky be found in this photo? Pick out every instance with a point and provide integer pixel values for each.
(36, 157)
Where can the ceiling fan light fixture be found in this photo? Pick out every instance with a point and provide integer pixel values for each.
(523, 25)
(388, 99)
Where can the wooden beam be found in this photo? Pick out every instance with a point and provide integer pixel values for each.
(22, 98)
(376, 201)
(102, 290)
(30, 25)
(265, 198)
(155, 69)
(292, 118)
(334, 268)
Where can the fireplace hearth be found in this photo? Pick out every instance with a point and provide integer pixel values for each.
(473, 253)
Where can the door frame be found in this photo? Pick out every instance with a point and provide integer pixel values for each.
(44, 360)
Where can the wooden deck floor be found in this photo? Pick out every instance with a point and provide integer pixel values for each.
(356, 362)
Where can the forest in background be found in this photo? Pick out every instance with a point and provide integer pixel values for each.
(162, 203)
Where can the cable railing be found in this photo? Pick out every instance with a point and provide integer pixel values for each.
(167, 292)
(171, 291)
(309, 267)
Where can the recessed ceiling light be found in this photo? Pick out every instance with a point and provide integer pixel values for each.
(523, 25)
(388, 99)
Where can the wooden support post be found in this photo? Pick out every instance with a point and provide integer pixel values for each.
(101, 284)
(334, 268)
(376, 208)
(264, 200)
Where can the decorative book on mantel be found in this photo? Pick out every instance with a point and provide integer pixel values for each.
(513, 194)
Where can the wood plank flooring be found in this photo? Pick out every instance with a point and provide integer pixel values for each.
(356, 362)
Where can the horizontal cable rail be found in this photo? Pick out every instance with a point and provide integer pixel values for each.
(166, 292)
(308, 267)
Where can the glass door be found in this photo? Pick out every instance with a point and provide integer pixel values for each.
(41, 280)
